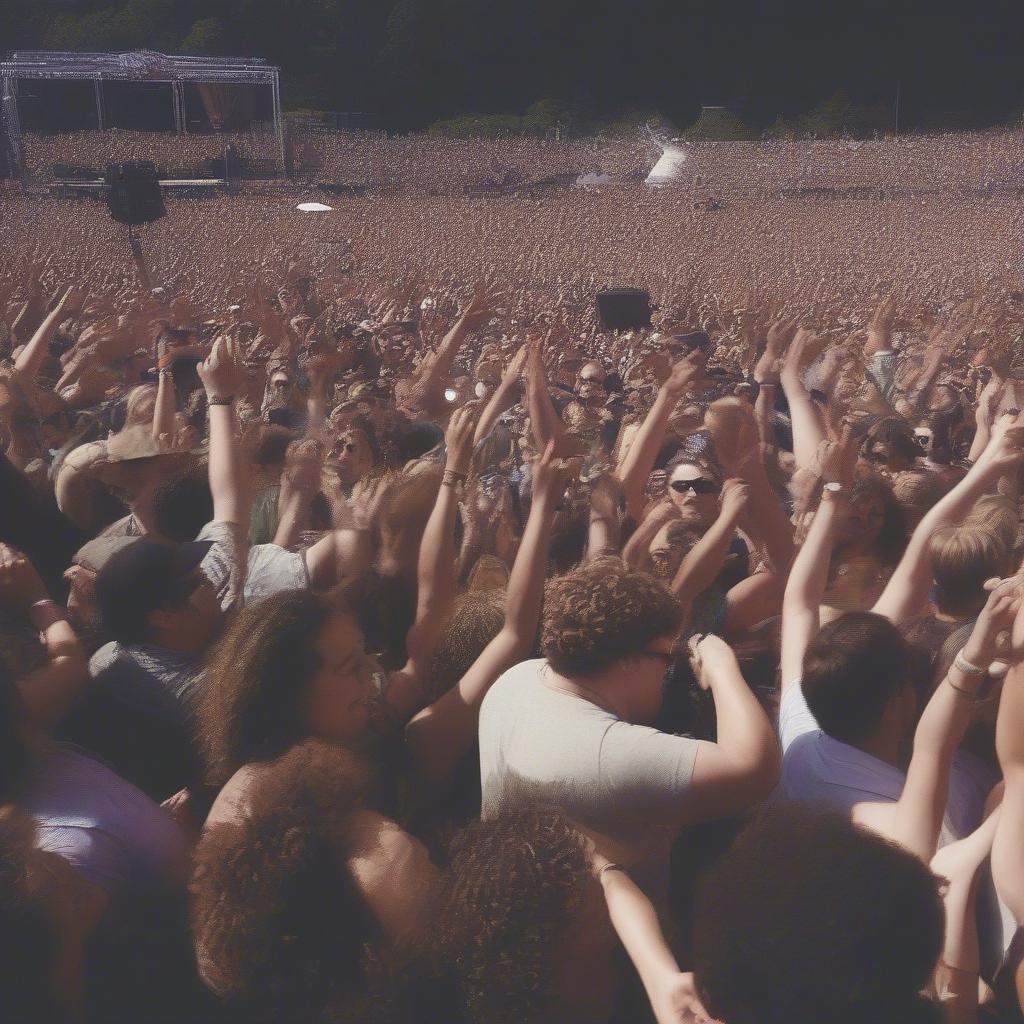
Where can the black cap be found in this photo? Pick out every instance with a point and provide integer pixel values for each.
(697, 339)
(141, 578)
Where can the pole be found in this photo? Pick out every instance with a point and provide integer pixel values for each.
(97, 86)
(278, 122)
(896, 118)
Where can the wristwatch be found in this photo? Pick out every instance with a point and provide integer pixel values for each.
(832, 490)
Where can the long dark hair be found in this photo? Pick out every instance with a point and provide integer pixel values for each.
(257, 677)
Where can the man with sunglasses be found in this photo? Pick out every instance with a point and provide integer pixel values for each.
(574, 729)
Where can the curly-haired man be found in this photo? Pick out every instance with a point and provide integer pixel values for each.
(572, 729)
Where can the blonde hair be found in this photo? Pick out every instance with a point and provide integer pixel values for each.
(962, 559)
(140, 407)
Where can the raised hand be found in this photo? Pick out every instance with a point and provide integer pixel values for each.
(880, 327)
(551, 475)
(735, 497)
(836, 459)
(20, 584)
(458, 437)
(684, 373)
(769, 366)
(223, 371)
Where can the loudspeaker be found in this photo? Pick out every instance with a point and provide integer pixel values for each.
(624, 309)
(133, 193)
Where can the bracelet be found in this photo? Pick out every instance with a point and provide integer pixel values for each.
(46, 605)
(766, 383)
(224, 400)
(610, 866)
(975, 697)
(968, 667)
(452, 477)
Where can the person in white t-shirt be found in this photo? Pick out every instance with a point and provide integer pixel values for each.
(848, 705)
(573, 729)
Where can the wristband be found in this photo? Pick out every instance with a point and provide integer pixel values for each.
(45, 613)
(225, 400)
(978, 696)
(452, 477)
(766, 383)
(968, 667)
(610, 866)
(164, 362)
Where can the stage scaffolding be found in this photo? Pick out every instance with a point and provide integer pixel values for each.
(137, 66)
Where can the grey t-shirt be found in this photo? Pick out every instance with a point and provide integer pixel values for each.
(539, 744)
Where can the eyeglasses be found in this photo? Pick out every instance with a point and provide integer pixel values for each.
(699, 486)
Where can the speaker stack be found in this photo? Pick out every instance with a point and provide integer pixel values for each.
(133, 193)
(624, 309)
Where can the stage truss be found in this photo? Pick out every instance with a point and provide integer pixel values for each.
(136, 66)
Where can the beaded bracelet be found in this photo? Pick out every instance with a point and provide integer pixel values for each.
(452, 477)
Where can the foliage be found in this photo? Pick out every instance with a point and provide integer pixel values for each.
(572, 64)
(719, 124)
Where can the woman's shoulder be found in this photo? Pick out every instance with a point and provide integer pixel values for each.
(233, 801)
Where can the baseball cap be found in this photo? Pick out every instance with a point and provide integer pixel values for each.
(97, 552)
(140, 578)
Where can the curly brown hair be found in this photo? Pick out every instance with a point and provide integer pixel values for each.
(511, 889)
(602, 612)
(282, 928)
(256, 679)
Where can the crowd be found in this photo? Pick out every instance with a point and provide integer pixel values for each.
(175, 156)
(385, 640)
(435, 164)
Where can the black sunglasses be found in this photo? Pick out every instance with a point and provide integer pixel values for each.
(698, 486)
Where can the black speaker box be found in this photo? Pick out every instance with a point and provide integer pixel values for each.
(624, 309)
(133, 193)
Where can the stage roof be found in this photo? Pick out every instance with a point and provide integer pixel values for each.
(137, 65)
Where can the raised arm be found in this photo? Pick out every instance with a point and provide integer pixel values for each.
(300, 483)
(808, 579)
(638, 462)
(32, 355)
(436, 571)
(742, 766)
(808, 430)
(48, 691)
(224, 377)
(504, 397)
(767, 372)
(984, 415)
(1008, 848)
(440, 734)
(435, 369)
(545, 423)
(705, 559)
(606, 507)
(917, 815)
(163, 412)
(907, 590)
